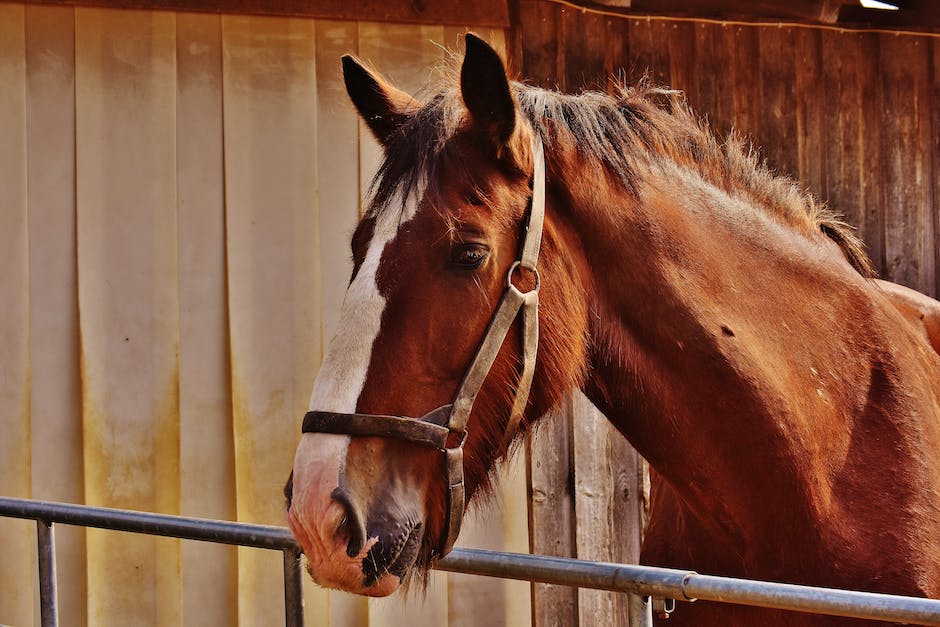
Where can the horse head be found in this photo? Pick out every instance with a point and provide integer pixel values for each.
(445, 228)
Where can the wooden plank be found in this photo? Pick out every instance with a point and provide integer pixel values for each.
(540, 50)
(909, 221)
(934, 107)
(841, 59)
(551, 513)
(746, 84)
(16, 536)
(270, 129)
(609, 504)
(616, 51)
(714, 55)
(55, 387)
(871, 146)
(683, 69)
(481, 12)
(649, 50)
(584, 41)
(812, 117)
(513, 491)
(778, 128)
(207, 464)
(125, 102)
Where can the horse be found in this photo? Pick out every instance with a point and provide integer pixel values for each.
(727, 323)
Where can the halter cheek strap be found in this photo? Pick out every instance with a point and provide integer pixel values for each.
(445, 428)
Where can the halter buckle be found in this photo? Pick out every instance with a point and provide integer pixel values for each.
(463, 440)
(525, 266)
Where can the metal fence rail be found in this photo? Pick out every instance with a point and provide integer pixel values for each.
(640, 582)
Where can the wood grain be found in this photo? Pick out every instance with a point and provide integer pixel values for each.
(609, 505)
(909, 236)
(872, 143)
(551, 514)
(479, 12)
(778, 129)
(809, 90)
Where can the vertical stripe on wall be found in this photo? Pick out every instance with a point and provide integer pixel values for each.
(128, 303)
(55, 406)
(16, 537)
(207, 460)
(269, 93)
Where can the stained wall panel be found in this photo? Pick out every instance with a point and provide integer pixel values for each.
(16, 537)
(128, 303)
(55, 395)
(270, 127)
(207, 464)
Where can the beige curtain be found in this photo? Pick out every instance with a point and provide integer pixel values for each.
(176, 196)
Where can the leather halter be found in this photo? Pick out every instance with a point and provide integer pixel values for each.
(445, 428)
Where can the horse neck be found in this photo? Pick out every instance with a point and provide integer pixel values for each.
(704, 356)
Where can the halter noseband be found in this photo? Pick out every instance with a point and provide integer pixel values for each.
(445, 428)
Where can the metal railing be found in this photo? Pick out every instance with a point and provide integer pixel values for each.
(640, 582)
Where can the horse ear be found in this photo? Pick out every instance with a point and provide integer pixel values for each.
(383, 107)
(485, 91)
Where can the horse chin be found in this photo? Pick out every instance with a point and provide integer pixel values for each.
(386, 585)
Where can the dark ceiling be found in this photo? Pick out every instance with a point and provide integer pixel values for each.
(911, 14)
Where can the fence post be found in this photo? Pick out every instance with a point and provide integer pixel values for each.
(641, 610)
(293, 589)
(48, 603)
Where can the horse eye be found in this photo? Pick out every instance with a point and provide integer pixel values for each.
(469, 255)
(475, 198)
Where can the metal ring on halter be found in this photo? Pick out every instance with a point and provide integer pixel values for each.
(520, 264)
(463, 439)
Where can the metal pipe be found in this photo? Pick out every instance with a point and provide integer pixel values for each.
(812, 599)
(644, 580)
(48, 598)
(187, 528)
(293, 589)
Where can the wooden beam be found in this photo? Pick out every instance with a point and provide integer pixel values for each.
(915, 18)
(803, 10)
(479, 13)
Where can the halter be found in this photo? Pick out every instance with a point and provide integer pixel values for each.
(445, 428)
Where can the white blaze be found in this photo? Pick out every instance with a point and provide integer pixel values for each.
(320, 459)
(343, 371)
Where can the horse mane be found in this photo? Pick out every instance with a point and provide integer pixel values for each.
(639, 127)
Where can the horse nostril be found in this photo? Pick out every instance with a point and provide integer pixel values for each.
(289, 489)
(351, 526)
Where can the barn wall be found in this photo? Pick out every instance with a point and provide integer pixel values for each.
(174, 258)
(176, 196)
(854, 116)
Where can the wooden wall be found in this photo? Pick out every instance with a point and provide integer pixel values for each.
(175, 201)
(855, 117)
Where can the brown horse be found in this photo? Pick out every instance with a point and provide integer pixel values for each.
(722, 319)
